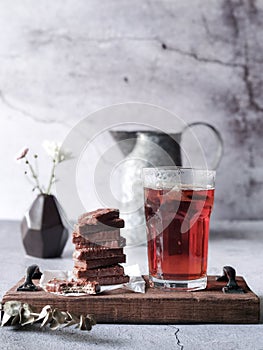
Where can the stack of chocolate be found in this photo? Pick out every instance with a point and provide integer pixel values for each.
(99, 248)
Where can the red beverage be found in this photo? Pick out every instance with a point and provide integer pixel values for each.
(177, 230)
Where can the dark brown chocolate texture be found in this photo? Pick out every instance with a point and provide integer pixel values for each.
(115, 270)
(97, 253)
(97, 237)
(108, 280)
(94, 263)
(115, 241)
(99, 247)
(102, 215)
(93, 226)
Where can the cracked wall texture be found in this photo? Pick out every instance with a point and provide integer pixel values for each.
(202, 59)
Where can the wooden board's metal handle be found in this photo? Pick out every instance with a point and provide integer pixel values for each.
(32, 272)
(229, 276)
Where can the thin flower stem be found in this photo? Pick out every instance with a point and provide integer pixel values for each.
(52, 175)
(37, 171)
(29, 180)
(34, 175)
(36, 165)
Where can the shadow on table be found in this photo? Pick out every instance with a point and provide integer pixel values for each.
(66, 335)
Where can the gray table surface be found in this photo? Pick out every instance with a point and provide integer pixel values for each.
(239, 244)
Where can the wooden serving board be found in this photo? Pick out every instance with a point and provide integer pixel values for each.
(155, 306)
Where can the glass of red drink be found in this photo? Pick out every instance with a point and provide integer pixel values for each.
(178, 205)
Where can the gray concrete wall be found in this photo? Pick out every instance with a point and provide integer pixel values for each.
(201, 59)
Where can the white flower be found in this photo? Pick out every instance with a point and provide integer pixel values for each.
(22, 153)
(53, 149)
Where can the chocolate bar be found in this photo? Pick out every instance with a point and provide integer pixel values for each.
(108, 280)
(102, 215)
(93, 226)
(97, 253)
(96, 237)
(115, 270)
(84, 243)
(64, 286)
(107, 244)
(95, 263)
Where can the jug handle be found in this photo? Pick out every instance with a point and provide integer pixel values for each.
(220, 148)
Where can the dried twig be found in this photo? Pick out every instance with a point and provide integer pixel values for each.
(17, 313)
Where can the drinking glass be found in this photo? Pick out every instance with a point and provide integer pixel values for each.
(178, 205)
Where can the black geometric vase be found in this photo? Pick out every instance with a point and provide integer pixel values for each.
(44, 234)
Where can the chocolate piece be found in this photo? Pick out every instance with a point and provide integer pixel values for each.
(93, 226)
(97, 253)
(108, 244)
(64, 286)
(117, 243)
(108, 280)
(102, 215)
(95, 263)
(97, 237)
(116, 270)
